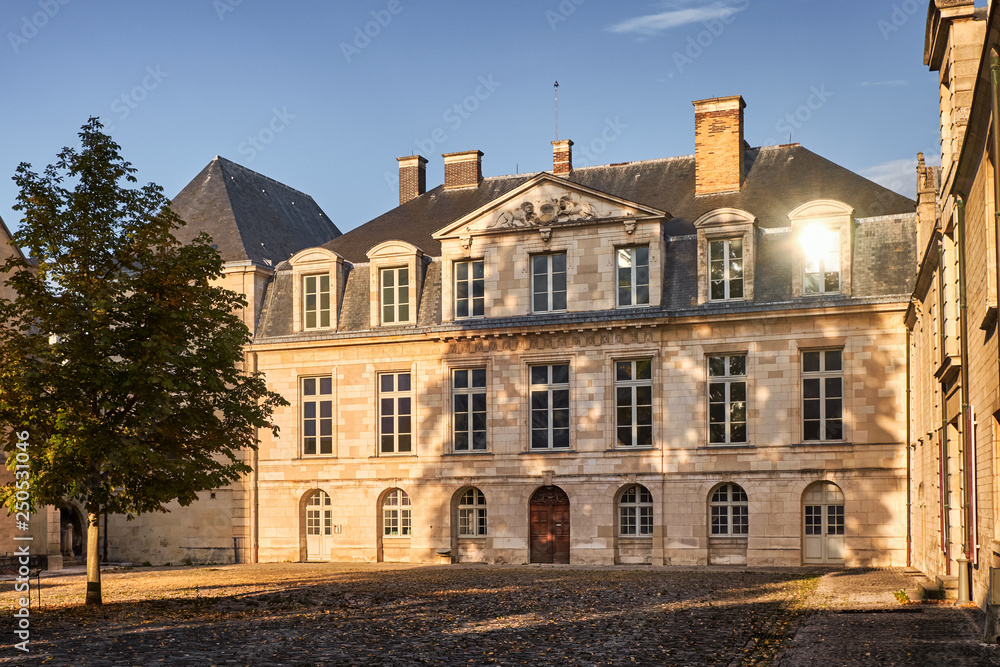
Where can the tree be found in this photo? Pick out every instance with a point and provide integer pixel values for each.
(119, 357)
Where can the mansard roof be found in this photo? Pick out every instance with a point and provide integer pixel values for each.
(249, 216)
(779, 178)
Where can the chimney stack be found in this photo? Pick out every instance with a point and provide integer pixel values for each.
(412, 177)
(718, 145)
(562, 157)
(463, 170)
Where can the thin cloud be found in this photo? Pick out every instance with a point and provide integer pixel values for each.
(900, 176)
(679, 13)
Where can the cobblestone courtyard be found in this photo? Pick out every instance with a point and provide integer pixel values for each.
(342, 614)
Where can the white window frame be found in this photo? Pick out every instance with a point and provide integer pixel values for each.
(729, 511)
(635, 512)
(552, 296)
(400, 420)
(825, 399)
(732, 384)
(640, 415)
(472, 514)
(397, 514)
(474, 392)
(629, 286)
(319, 520)
(475, 286)
(316, 301)
(317, 415)
(726, 278)
(392, 308)
(552, 392)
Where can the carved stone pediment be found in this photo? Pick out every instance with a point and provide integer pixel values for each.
(549, 205)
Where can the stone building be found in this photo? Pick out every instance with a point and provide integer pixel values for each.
(954, 405)
(688, 360)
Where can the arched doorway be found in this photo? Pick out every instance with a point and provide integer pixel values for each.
(549, 526)
(71, 535)
(395, 526)
(319, 526)
(823, 524)
(469, 526)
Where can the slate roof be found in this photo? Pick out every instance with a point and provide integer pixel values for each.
(779, 178)
(249, 216)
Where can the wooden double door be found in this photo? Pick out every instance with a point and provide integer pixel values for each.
(550, 526)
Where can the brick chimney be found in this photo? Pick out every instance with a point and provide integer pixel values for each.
(463, 170)
(412, 177)
(562, 157)
(718, 145)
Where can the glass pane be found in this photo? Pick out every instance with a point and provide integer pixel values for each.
(644, 436)
(540, 265)
(833, 387)
(387, 382)
(810, 430)
(716, 366)
(309, 387)
(624, 260)
(462, 271)
(560, 374)
(718, 290)
(326, 386)
(644, 369)
(833, 360)
(738, 365)
(403, 382)
(737, 391)
(559, 263)
(810, 388)
(623, 370)
(810, 361)
(736, 289)
(834, 429)
(479, 377)
(717, 250)
(477, 270)
(625, 436)
(642, 256)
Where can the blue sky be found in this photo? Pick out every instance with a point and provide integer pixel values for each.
(323, 96)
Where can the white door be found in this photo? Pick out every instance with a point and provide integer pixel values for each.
(319, 526)
(823, 524)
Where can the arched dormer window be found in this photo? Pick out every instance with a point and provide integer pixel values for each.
(823, 236)
(396, 270)
(726, 249)
(318, 276)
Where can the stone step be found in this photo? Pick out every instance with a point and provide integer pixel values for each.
(948, 584)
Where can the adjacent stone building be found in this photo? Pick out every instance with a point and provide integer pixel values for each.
(954, 435)
(690, 360)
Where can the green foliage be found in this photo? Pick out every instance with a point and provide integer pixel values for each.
(120, 357)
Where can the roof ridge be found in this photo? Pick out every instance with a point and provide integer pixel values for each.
(221, 159)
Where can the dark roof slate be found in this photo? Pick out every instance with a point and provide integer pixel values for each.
(249, 216)
(779, 179)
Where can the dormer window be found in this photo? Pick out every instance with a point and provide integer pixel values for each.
(318, 282)
(395, 288)
(823, 233)
(727, 239)
(548, 282)
(396, 279)
(316, 301)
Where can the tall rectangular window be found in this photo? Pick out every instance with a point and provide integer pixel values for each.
(548, 282)
(316, 290)
(634, 403)
(550, 407)
(317, 416)
(395, 412)
(821, 259)
(633, 276)
(469, 409)
(823, 395)
(725, 271)
(727, 399)
(395, 295)
(469, 289)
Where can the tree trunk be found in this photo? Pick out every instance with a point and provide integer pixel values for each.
(93, 556)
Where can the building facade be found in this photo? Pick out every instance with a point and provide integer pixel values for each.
(954, 435)
(692, 360)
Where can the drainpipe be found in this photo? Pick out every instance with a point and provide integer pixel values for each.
(967, 444)
(945, 468)
(909, 456)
